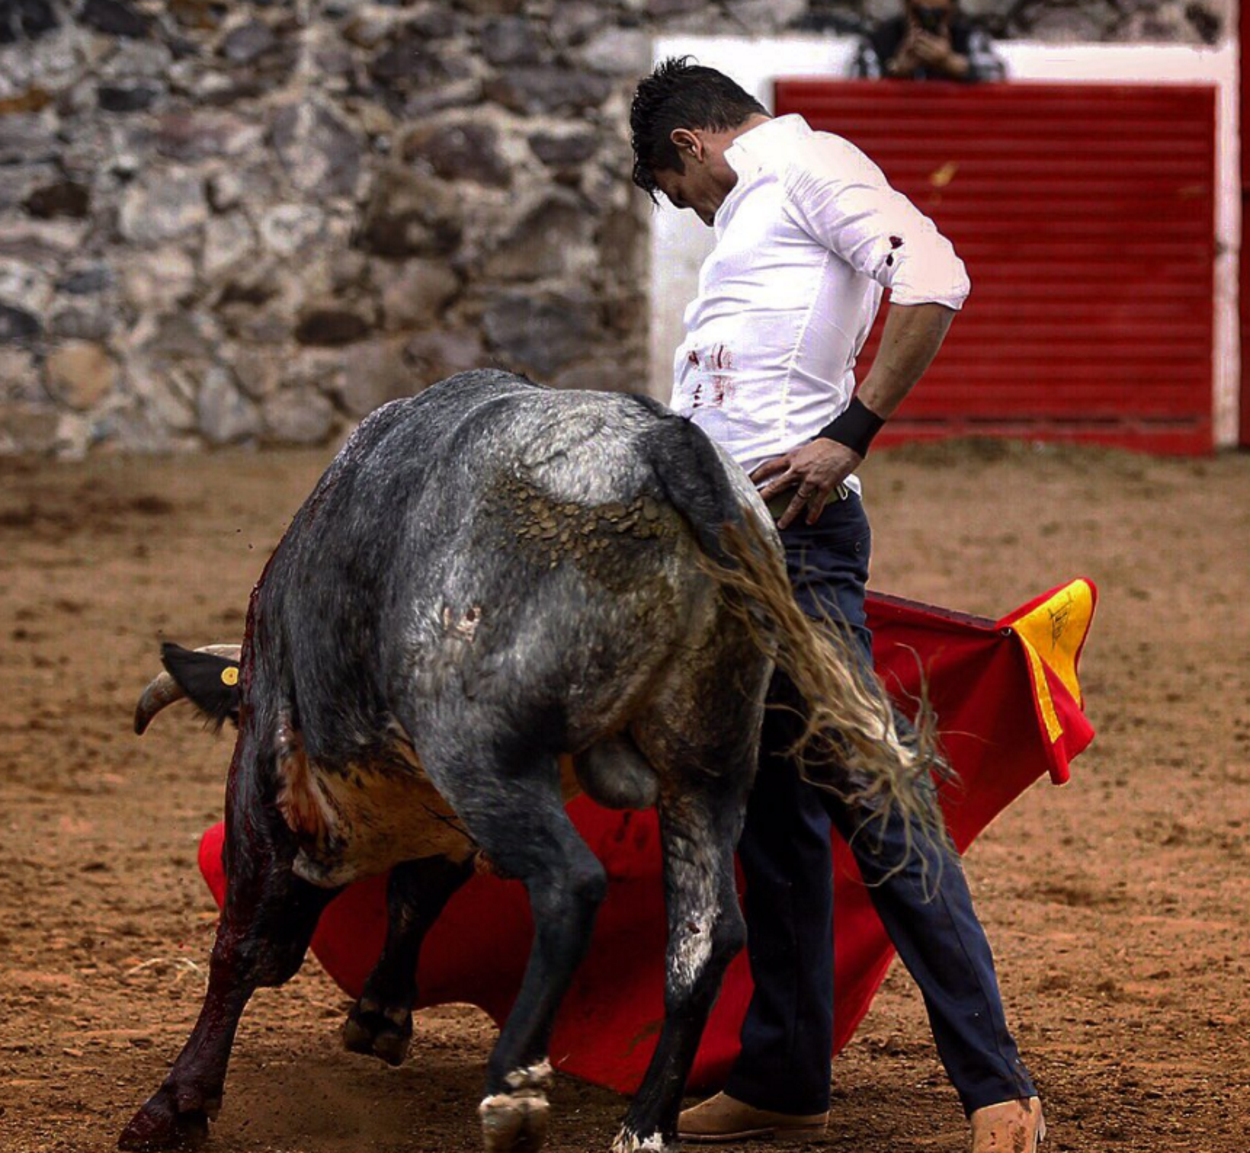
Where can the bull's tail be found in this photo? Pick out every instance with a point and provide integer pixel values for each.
(692, 476)
(851, 745)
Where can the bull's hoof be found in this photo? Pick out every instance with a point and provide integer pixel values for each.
(514, 1122)
(627, 1141)
(162, 1124)
(384, 1033)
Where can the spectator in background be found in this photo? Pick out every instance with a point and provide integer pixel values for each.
(930, 41)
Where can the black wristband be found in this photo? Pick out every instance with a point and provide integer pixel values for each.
(854, 427)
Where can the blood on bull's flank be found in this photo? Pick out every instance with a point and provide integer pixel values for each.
(492, 584)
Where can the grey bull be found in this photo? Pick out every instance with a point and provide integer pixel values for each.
(497, 596)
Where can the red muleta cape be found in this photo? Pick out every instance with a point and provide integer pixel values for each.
(1010, 711)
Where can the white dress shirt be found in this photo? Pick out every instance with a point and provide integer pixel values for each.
(806, 241)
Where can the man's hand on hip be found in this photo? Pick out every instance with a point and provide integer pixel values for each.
(816, 469)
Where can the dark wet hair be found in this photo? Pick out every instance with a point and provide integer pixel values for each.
(681, 94)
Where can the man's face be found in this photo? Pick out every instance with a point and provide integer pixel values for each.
(931, 15)
(691, 189)
(705, 179)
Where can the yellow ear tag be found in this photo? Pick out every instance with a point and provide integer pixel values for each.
(230, 676)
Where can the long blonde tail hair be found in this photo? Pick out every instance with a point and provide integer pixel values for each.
(850, 745)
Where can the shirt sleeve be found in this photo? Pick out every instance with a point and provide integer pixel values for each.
(984, 63)
(842, 200)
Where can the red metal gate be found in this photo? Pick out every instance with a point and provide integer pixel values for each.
(1086, 216)
(1244, 438)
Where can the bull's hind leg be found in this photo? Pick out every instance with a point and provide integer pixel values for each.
(381, 1021)
(266, 925)
(699, 830)
(702, 737)
(511, 804)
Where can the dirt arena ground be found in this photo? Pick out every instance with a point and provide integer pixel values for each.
(1117, 906)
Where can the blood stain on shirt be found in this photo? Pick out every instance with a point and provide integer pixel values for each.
(722, 380)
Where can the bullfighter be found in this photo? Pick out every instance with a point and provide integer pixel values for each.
(809, 235)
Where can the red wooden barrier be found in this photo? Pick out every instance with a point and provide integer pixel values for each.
(1244, 437)
(1085, 214)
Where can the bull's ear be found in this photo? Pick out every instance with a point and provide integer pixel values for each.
(211, 682)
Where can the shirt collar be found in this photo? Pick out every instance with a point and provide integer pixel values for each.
(746, 155)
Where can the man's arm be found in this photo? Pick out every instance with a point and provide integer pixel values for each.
(842, 200)
(910, 340)
(938, 53)
(904, 62)
(979, 63)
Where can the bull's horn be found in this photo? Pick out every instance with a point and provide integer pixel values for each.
(163, 690)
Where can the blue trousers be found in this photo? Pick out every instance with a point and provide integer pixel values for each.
(786, 858)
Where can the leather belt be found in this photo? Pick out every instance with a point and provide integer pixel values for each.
(778, 504)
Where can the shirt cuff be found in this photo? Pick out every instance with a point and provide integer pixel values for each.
(952, 297)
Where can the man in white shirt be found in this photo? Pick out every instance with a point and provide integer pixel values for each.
(809, 234)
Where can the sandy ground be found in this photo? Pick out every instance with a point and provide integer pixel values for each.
(1117, 906)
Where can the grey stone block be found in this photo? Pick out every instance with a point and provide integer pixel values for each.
(299, 415)
(540, 331)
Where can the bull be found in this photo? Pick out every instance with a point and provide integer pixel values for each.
(496, 597)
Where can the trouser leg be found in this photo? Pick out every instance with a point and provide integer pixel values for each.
(921, 895)
(785, 854)
(787, 863)
(787, 1036)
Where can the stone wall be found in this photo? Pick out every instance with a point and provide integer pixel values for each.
(254, 222)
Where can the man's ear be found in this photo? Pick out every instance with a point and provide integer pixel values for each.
(688, 144)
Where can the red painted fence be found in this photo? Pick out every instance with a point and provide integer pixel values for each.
(1086, 216)
(1244, 430)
